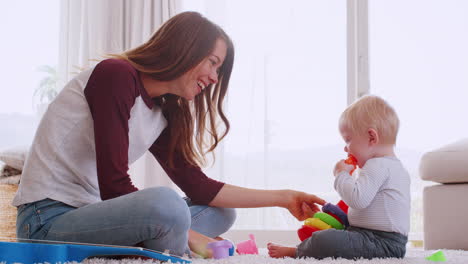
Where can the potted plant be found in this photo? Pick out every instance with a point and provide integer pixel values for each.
(48, 88)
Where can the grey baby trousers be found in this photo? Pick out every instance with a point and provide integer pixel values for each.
(353, 243)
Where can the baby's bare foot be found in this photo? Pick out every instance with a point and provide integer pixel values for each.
(278, 251)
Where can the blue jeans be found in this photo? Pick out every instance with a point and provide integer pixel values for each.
(155, 218)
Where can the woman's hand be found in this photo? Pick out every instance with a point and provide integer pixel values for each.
(342, 166)
(302, 205)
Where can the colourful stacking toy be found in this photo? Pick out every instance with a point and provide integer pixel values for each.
(336, 212)
(306, 231)
(330, 220)
(318, 223)
(333, 216)
(343, 206)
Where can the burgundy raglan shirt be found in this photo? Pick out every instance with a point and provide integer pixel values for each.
(102, 121)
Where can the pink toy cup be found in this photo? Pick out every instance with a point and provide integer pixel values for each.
(220, 248)
(247, 247)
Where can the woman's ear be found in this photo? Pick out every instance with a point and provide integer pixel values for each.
(373, 136)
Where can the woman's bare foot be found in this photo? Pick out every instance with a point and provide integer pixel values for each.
(198, 242)
(278, 251)
(195, 255)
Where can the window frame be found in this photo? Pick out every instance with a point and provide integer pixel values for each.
(357, 49)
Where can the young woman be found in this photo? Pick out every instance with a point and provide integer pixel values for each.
(164, 96)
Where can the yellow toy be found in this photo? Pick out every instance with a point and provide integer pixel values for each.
(315, 222)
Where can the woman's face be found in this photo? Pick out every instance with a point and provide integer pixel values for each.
(204, 74)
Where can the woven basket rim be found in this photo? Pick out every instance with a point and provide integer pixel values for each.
(7, 211)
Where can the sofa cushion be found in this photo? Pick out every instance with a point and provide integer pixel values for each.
(448, 164)
(14, 157)
(445, 215)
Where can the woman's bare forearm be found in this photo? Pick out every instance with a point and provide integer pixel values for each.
(231, 196)
(301, 205)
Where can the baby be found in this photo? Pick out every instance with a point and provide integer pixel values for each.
(378, 198)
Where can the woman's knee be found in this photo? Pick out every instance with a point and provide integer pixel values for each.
(212, 221)
(228, 216)
(165, 205)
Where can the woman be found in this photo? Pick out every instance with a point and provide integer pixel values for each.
(164, 96)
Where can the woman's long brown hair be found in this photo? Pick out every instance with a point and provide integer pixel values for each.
(179, 45)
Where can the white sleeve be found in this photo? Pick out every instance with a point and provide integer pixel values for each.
(359, 193)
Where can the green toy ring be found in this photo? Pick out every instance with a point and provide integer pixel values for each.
(329, 220)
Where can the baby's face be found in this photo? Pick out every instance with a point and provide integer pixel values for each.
(357, 145)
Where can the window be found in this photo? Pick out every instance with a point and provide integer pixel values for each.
(287, 90)
(29, 44)
(419, 66)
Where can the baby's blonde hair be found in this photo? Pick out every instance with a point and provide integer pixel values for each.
(371, 111)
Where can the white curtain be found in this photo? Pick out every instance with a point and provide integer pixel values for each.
(287, 89)
(91, 29)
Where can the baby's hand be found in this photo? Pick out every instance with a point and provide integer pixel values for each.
(342, 166)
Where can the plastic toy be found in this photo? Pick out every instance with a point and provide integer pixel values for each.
(437, 256)
(306, 231)
(247, 247)
(352, 161)
(330, 220)
(221, 249)
(343, 206)
(315, 222)
(336, 217)
(232, 248)
(333, 216)
(336, 212)
(21, 252)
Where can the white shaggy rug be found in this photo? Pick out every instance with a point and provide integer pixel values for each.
(413, 256)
